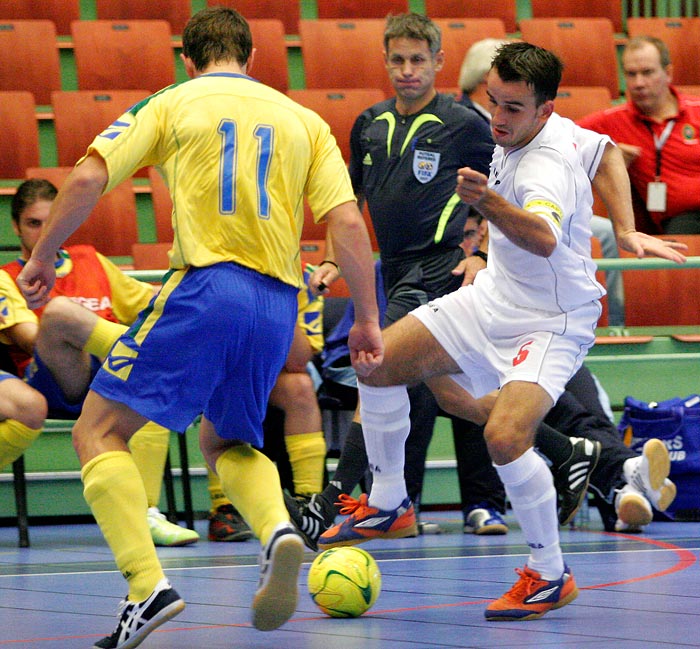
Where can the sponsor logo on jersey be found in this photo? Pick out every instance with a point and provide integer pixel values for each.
(114, 130)
(120, 361)
(425, 165)
(94, 303)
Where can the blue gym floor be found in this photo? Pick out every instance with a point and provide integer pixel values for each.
(636, 591)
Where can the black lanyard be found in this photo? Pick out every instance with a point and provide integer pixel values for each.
(660, 141)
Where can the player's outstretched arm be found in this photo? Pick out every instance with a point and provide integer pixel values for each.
(612, 184)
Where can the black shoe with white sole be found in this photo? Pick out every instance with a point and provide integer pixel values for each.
(138, 619)
(571, 478)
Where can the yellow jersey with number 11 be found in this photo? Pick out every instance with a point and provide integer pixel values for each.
(238, 157)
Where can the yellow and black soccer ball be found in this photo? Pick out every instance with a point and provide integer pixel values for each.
(344, 581)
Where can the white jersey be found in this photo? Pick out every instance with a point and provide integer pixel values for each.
(589, 144)
(546, 177)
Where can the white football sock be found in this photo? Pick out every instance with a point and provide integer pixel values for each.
(530, 488)
(385, 426)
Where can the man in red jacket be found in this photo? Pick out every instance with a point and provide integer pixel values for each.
(658, 132)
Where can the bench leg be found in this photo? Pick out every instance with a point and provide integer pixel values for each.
(170, 490)
(185, 477)
(20, 484)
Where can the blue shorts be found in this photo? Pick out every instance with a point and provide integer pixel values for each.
(40, 378)
(212, 341)
(6, 375)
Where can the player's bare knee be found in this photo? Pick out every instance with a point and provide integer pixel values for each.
(58, 310)
(307, 402)
(504, 441)
(80, 436)
(32, 409)
(444, 397)
(56, 319)
(301, 387)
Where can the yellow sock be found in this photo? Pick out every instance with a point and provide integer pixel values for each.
(114, 491)
(149, 448)
(307, 455)
(103, 336)
(216, 491)
(15, 439)
(252, 483)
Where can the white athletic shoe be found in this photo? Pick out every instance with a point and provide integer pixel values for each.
(167, 534)
(633, 510)
(648, 474)
(280, 561)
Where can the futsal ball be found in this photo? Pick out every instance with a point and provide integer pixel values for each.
(344, 581)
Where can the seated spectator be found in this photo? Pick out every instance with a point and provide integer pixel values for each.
(626, 485)
(58, 349)
(472, 75)
(474, 232)
(22, 409)
(657, 131)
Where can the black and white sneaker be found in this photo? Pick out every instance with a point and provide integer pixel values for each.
(307, 516)
(138, 619)
(280, 561)
(571, 478)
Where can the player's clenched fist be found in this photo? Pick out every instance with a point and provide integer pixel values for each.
(471, 185)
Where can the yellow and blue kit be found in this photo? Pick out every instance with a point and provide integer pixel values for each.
(238, 158)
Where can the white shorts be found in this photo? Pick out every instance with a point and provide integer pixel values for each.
(494, 341)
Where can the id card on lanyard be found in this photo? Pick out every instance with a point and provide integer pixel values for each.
(656, 190)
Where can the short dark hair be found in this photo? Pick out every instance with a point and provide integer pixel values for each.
(537, 67)
(415, 26)
(29, 192)
(473, 213)
(217, 34)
